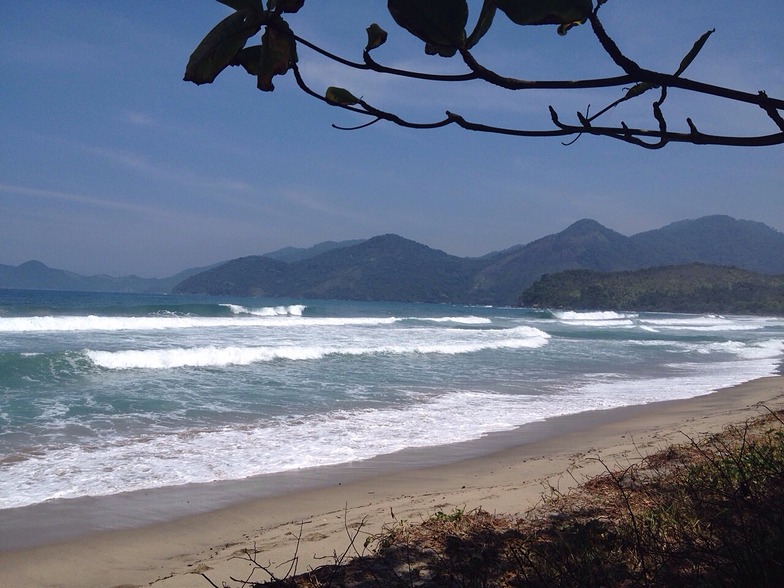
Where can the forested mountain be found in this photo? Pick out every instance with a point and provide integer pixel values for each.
(717, 240)
(34, 275)
(693, 287)
(291, 254)
(389, 267)
(584, 244)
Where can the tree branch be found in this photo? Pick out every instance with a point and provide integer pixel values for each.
(518, 84)
(278, 55)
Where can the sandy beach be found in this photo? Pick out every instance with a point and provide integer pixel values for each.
(506, 473)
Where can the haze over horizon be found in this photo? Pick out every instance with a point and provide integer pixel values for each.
(110, 163)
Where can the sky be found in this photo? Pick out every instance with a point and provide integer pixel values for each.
(111, 163)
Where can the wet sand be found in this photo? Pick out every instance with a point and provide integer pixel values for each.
(161, 538)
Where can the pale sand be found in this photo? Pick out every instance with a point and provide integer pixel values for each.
(557, 453)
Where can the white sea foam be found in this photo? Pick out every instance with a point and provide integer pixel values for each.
(462, 320)
(607, 315)
(649, 329)
(659, 324)
(596, 319)
(757, 349)
(769, 349)
(290, 310)
(200, 356)
(115, 416)
(237, 452)
(214, 356)
(157, 323)
(705, 323)
(104, 323)
(695, 380)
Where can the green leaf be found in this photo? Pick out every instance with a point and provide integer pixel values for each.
(376, 37)
(565, 13)
(278, 52)
(220, 46)
(686, 61)
(439, 23)
(483, 24)
(341, 96)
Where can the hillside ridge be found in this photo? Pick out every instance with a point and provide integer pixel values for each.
(391, 267)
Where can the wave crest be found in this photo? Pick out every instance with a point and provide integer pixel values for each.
(213, 356)
(290, 310)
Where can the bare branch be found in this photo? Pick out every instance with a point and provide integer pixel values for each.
(370, 64)
(518, 84)
(638, 81)
(626, 64)
(770, 109)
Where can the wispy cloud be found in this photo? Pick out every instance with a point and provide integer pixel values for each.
(167, 172)
(79, 199)
(138, 118)
(307, 202)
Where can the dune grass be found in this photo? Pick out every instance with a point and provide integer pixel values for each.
(708, 512)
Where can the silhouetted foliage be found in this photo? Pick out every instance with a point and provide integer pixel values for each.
(443, 27)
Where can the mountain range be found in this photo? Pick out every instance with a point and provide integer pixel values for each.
(390, 267)
(35, 275)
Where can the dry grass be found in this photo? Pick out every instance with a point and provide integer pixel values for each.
(708, 512)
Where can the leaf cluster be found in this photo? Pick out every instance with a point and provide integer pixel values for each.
(225, 44)
(439, 23)
(443, 27)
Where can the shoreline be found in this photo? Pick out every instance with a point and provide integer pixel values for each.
(55, 521)
(126, 539)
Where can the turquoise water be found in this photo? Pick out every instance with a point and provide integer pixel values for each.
(107, 393)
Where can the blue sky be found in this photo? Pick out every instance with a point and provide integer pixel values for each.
(110, 163)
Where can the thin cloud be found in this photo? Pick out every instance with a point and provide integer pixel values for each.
(187, 178)
(138, 118)
(79, 199)
(306, 202)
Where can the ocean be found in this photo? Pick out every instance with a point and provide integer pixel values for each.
(103, 394)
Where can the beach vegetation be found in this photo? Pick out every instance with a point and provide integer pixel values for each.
(706, 512)
(448, 29)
